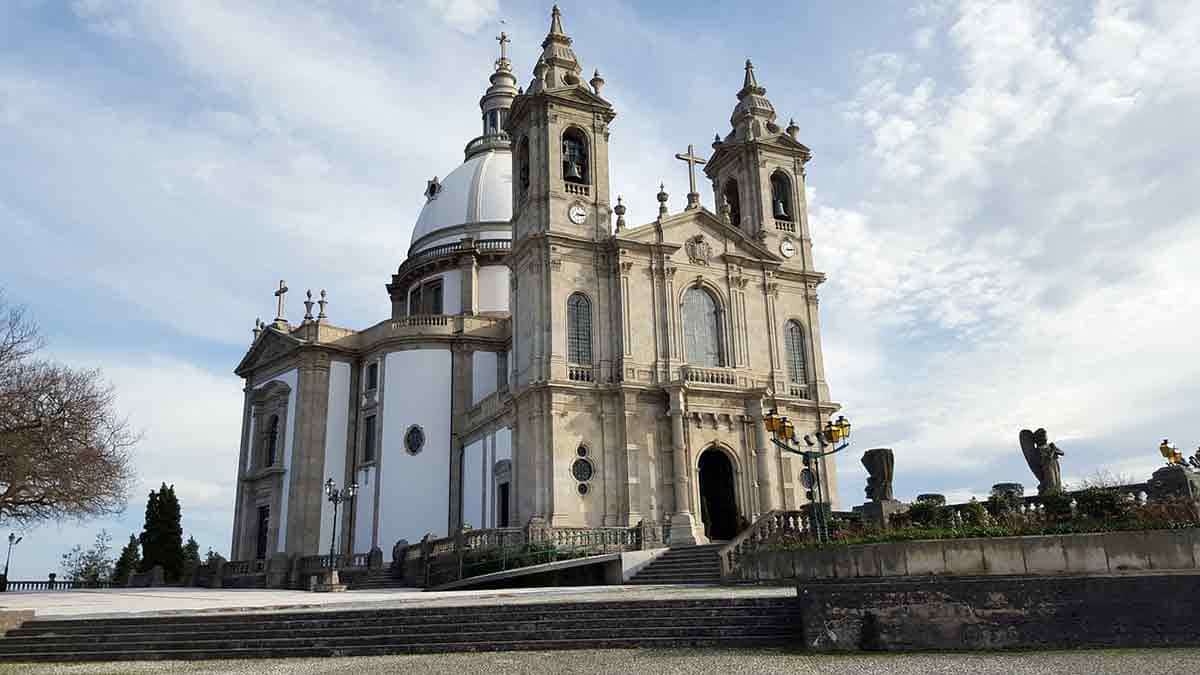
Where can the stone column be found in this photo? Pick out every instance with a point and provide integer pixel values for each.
(683, 524)
(764, 451)
(469, 266)
(240, 513)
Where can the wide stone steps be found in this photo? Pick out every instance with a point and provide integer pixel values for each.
(683, 565)
(711, 622)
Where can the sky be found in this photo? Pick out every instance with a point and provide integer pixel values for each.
(1003, 195)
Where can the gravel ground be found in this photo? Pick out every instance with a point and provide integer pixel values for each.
(1089, 662)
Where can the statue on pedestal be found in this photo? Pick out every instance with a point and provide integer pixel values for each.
(879, 463)
(1042, 458)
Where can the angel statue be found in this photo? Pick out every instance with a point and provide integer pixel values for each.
(1042, 458)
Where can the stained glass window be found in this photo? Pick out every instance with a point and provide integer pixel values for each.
(702, 329)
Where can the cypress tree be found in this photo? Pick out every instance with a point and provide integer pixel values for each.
(150, 537)
(162, 537)
(128, 562)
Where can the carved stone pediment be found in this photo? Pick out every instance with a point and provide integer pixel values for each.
(270, 345)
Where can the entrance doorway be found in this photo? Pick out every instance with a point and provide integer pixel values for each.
(718, 502)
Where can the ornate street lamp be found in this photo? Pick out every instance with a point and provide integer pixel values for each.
(13, 540)
(834, 437)
(337, 498)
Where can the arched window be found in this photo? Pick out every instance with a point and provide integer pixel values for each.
(793, 338)
(781, 197)
(734, 202)
(579, 329)
(272, 439)
(523, 165)
(575, 157)
(702, 328)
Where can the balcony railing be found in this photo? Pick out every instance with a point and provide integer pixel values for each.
(577, 189)
(580, 374)
(709, 375)
(785, 226)
(452, 249)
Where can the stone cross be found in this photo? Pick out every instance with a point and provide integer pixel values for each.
(503, 40)
(283, 289)
(692, 160)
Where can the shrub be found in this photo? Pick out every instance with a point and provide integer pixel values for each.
(973, 514)
(1057, 506)
(1102, 504)
(929, 514)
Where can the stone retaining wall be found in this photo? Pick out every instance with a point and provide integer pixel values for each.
(1101, 553)
(1136, 609)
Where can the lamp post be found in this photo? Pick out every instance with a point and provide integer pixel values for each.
(337, 498)
(834, 437)
(13, 540)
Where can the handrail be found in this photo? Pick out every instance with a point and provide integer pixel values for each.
(747, 540)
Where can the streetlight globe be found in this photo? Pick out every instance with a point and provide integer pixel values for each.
(329, 487)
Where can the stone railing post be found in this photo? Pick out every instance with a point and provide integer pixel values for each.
(375, 559)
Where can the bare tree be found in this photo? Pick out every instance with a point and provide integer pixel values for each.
(64, 451)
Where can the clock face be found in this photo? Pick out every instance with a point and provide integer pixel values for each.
(577, 214)
(787, 247)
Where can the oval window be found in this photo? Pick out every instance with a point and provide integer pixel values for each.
(414, 439)
(582, 470)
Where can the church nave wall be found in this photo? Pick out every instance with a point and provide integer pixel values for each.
(412, 490)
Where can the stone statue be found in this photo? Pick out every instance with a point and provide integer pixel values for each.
(1042, 458)
(879, 463)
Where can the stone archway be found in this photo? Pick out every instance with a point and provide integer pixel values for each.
(718, 500)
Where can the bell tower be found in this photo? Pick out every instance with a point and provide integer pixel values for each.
(758, 175)
(561, 292)
(559, 130)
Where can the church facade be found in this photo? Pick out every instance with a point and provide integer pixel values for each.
(544, 358)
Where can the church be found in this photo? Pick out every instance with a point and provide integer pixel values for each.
(545, 358)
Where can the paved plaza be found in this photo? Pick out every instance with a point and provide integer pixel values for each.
(150, 601)
(1083, 662)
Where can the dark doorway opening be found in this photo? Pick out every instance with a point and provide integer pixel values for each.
(264, 523)
(718, 503)
(502, 506)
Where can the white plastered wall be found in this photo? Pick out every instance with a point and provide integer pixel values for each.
(474, 491)
(290, 378)
(493, 288)
(415, 489)
(337, 420)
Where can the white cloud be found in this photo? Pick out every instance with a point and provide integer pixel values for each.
(1025, 254)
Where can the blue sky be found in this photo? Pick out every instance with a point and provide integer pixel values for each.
(1002, 193)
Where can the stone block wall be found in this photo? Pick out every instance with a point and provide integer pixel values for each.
(1107, 552)
(1029, 612)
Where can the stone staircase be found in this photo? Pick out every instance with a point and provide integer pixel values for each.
(683, 565)
(377, 579)
(753, 621)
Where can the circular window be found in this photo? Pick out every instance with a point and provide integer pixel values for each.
(581, 451)
(582, 470)
(583, 488)
(414, 439)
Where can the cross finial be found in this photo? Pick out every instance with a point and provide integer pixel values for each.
(283, 289)
(503, 40)
(692, 160)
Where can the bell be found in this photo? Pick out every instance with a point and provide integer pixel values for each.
(780, 211)
(573, 171)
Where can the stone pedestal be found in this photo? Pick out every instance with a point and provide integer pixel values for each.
(683, 530)
(1173, 482)
(329, 583)
(880, 513)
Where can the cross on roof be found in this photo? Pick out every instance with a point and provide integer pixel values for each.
(503, 40)
(692, 160)
(283, 289)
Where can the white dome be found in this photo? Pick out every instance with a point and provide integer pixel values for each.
(479, 191)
